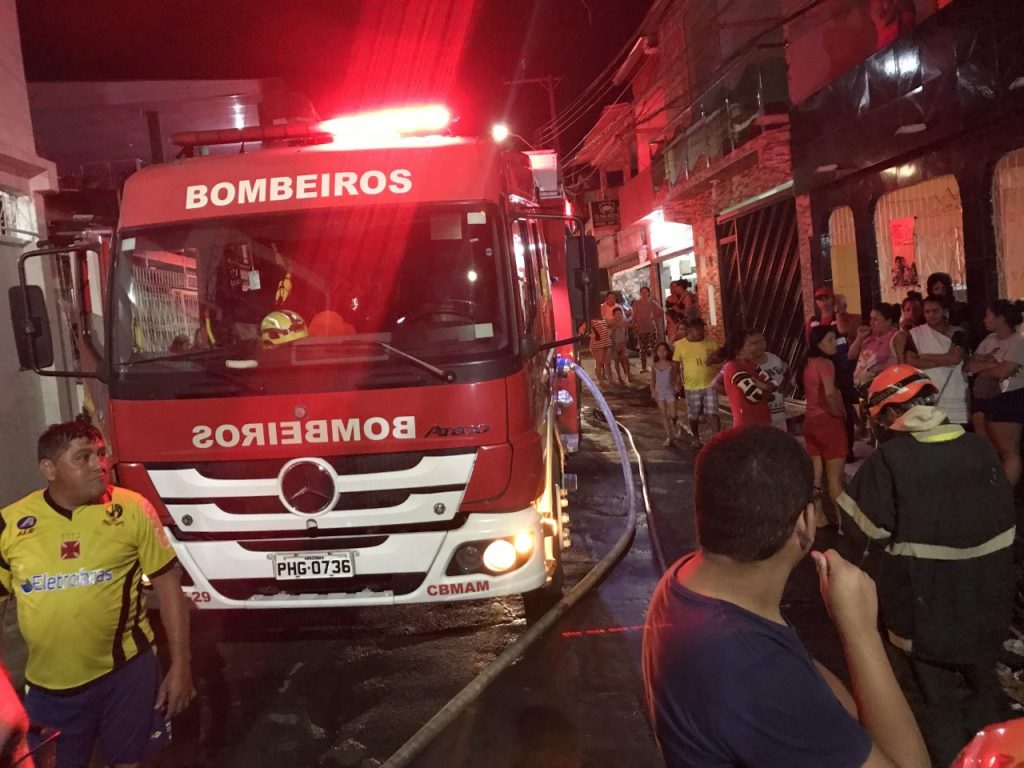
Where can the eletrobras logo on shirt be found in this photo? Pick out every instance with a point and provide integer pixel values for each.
(45, 582)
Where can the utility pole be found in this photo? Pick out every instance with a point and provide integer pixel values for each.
(548, 83)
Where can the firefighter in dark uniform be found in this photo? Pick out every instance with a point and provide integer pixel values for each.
(934, 513)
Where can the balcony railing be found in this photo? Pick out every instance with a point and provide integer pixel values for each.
(724, 117)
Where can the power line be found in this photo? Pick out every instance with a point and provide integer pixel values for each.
(723, 69)
(548, 83)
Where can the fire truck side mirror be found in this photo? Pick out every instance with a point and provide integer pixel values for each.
(31, 326)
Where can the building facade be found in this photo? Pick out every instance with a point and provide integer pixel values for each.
(29, 401)
(912, 155)
(705, 144)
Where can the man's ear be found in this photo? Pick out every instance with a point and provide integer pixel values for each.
(805, 528)
(48, 470)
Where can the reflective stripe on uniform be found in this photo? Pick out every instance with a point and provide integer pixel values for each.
(855, 513)
(941, 434)
(941, 552)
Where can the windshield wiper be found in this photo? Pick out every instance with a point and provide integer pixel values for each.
(448, 377)
(196, 354)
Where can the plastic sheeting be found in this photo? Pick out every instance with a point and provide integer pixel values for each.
(929, 214)
(1008, 204)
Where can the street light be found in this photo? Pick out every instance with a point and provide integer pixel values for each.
(500, 132)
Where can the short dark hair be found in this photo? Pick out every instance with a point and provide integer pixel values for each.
(1011, 311)
(750, 486)
(58, 437)
(939, 277)
(912, 296)
(890, 312)
(695, 323)
(814, 338)
(734, 342)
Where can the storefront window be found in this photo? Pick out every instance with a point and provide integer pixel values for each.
(682, 267)
(919, 230)
(1008, 202)
(843, 256)
(630, 282)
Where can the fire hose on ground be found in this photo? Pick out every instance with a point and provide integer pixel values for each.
(444, 717)
(652, 530)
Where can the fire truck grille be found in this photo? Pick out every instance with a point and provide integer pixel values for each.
(243, 589)
(425, 495)
(266, 505)
(371, 463)
(317, 534)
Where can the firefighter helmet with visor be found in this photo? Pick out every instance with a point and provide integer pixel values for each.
(898, 385)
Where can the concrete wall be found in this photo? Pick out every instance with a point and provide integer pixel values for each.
(28, 401)
(14, 117)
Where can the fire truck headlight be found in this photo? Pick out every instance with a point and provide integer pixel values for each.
(500, 556)
(523, 543)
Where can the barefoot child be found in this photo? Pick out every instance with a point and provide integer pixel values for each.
(600, 348)
(662, 388)
(620, 354)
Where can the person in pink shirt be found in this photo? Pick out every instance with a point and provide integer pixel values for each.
(872, 347)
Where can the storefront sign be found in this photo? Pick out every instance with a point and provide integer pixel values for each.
(604, 213)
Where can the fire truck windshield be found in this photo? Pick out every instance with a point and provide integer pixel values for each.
(256, 296)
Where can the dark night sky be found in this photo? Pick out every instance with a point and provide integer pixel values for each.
(342, 53)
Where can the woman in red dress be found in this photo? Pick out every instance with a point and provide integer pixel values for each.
(824, 426)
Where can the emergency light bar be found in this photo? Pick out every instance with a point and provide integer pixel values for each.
(292, 133)
(388, 125)
(381, 128)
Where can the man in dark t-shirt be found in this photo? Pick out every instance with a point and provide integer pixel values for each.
(727, 681)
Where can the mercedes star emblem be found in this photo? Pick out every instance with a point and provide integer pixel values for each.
(308, 486)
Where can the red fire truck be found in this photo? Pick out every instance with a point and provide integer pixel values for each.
(329, 363)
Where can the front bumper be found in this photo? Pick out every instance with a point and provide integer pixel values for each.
(390, 569)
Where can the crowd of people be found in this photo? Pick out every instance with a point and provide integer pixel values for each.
(929, 517)
(686, 364)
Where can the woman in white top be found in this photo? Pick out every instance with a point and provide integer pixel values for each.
(939, 349)
(998, 367)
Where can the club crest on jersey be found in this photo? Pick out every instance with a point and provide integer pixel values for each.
(70, 550)
(26, 525)
(112, 514)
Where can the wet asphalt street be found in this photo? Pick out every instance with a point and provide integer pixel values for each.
(347, 688)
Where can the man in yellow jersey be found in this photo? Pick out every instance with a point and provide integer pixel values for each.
(692, 356)
(73, 556)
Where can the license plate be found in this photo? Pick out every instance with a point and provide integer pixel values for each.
(314, 565)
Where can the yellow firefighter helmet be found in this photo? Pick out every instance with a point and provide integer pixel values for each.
(283, 326)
